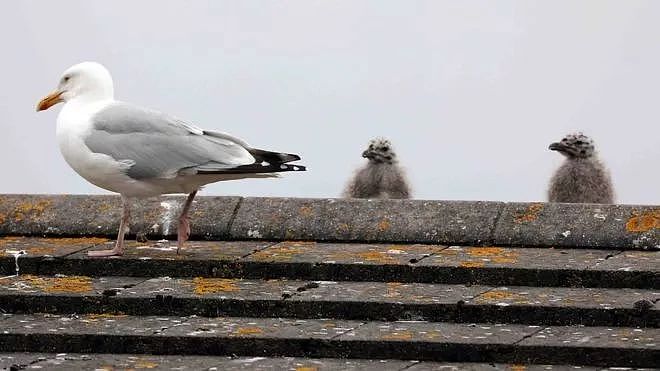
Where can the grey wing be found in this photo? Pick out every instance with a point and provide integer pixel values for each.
(155, 145)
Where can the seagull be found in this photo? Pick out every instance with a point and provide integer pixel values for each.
(381, 177)
(138, 152)
(582, 178)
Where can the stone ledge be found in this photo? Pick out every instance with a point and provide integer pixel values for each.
(396, 221)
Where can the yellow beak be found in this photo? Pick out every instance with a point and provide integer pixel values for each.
(49, 101)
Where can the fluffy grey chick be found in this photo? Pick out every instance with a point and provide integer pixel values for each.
(381, 177)
(582, 178)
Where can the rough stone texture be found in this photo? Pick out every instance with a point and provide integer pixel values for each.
(394, 221)
(499, 266)
(579, 225)
(74, 361)
(408, 221)
(74, 215)
(214, 297)
(267, 337)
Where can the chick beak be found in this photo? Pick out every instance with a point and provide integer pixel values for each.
(50, 100)
(557, 146)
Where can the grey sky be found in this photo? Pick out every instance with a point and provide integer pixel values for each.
(470, 92)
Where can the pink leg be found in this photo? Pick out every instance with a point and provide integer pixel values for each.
(123, 226)
(183, 230)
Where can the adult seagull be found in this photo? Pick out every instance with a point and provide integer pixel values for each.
(138, 152)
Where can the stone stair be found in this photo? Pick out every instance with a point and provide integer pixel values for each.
(270, 289)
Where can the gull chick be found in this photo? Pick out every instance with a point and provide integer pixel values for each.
(138, 152)
(582, 178)
(381, 177)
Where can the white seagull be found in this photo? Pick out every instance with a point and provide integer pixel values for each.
(138, 152)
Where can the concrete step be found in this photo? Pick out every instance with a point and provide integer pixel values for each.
(331, 338)
(77, 361)
(330, 299)
(543, 267)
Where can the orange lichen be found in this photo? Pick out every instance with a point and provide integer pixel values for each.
(66, 241)
(71, 284)
(214, 285)
(142, 363)
(3, 217)
(471, 264)
(343, 227)
(495, 295)
(495, 254)
(529, 215)
(306, 210)
(398, 335)
(644, 221)
(283, 251)
(306, 368)
(248, 331)
(383, 225)
(518, 368)
(28, 208)
(376, 257)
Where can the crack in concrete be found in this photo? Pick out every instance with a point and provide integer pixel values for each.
(349, 330)
(541, 328)
(271, 244)
(496, 220)
(427, 256)
(607, 257)
(232, 218)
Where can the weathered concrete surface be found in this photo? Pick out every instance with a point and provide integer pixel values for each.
(405, 221)
(76, 215)
(267, 337)
(75, 361)
(579, 225)
(334, 261)
(213, 297)
(394, 221)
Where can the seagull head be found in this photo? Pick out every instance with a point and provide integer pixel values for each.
(575, 145)
(380, 151)
(88, 81)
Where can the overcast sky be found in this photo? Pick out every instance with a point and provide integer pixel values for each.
(470, 92)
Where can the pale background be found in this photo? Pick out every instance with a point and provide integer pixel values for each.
(470, 92)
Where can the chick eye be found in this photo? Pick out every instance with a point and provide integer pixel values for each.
(579, 142)
(386, 148)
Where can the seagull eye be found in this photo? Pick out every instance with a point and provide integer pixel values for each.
(66, 78)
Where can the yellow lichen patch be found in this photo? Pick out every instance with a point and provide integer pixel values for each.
(306, 368)
(343, 227)
(248, 331)
(494, 254)
(142, 364)
(283, 251)
(398, 335)
(71, 284)
(104, 207)
(29, 208)
(471, 264)
(376, 257)
(306, 210)
(644, 221)
(214, 285)
(393, 289)
(384, 225)
(518, 368)
(66, 241)
(496, 295)
(528, 215)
